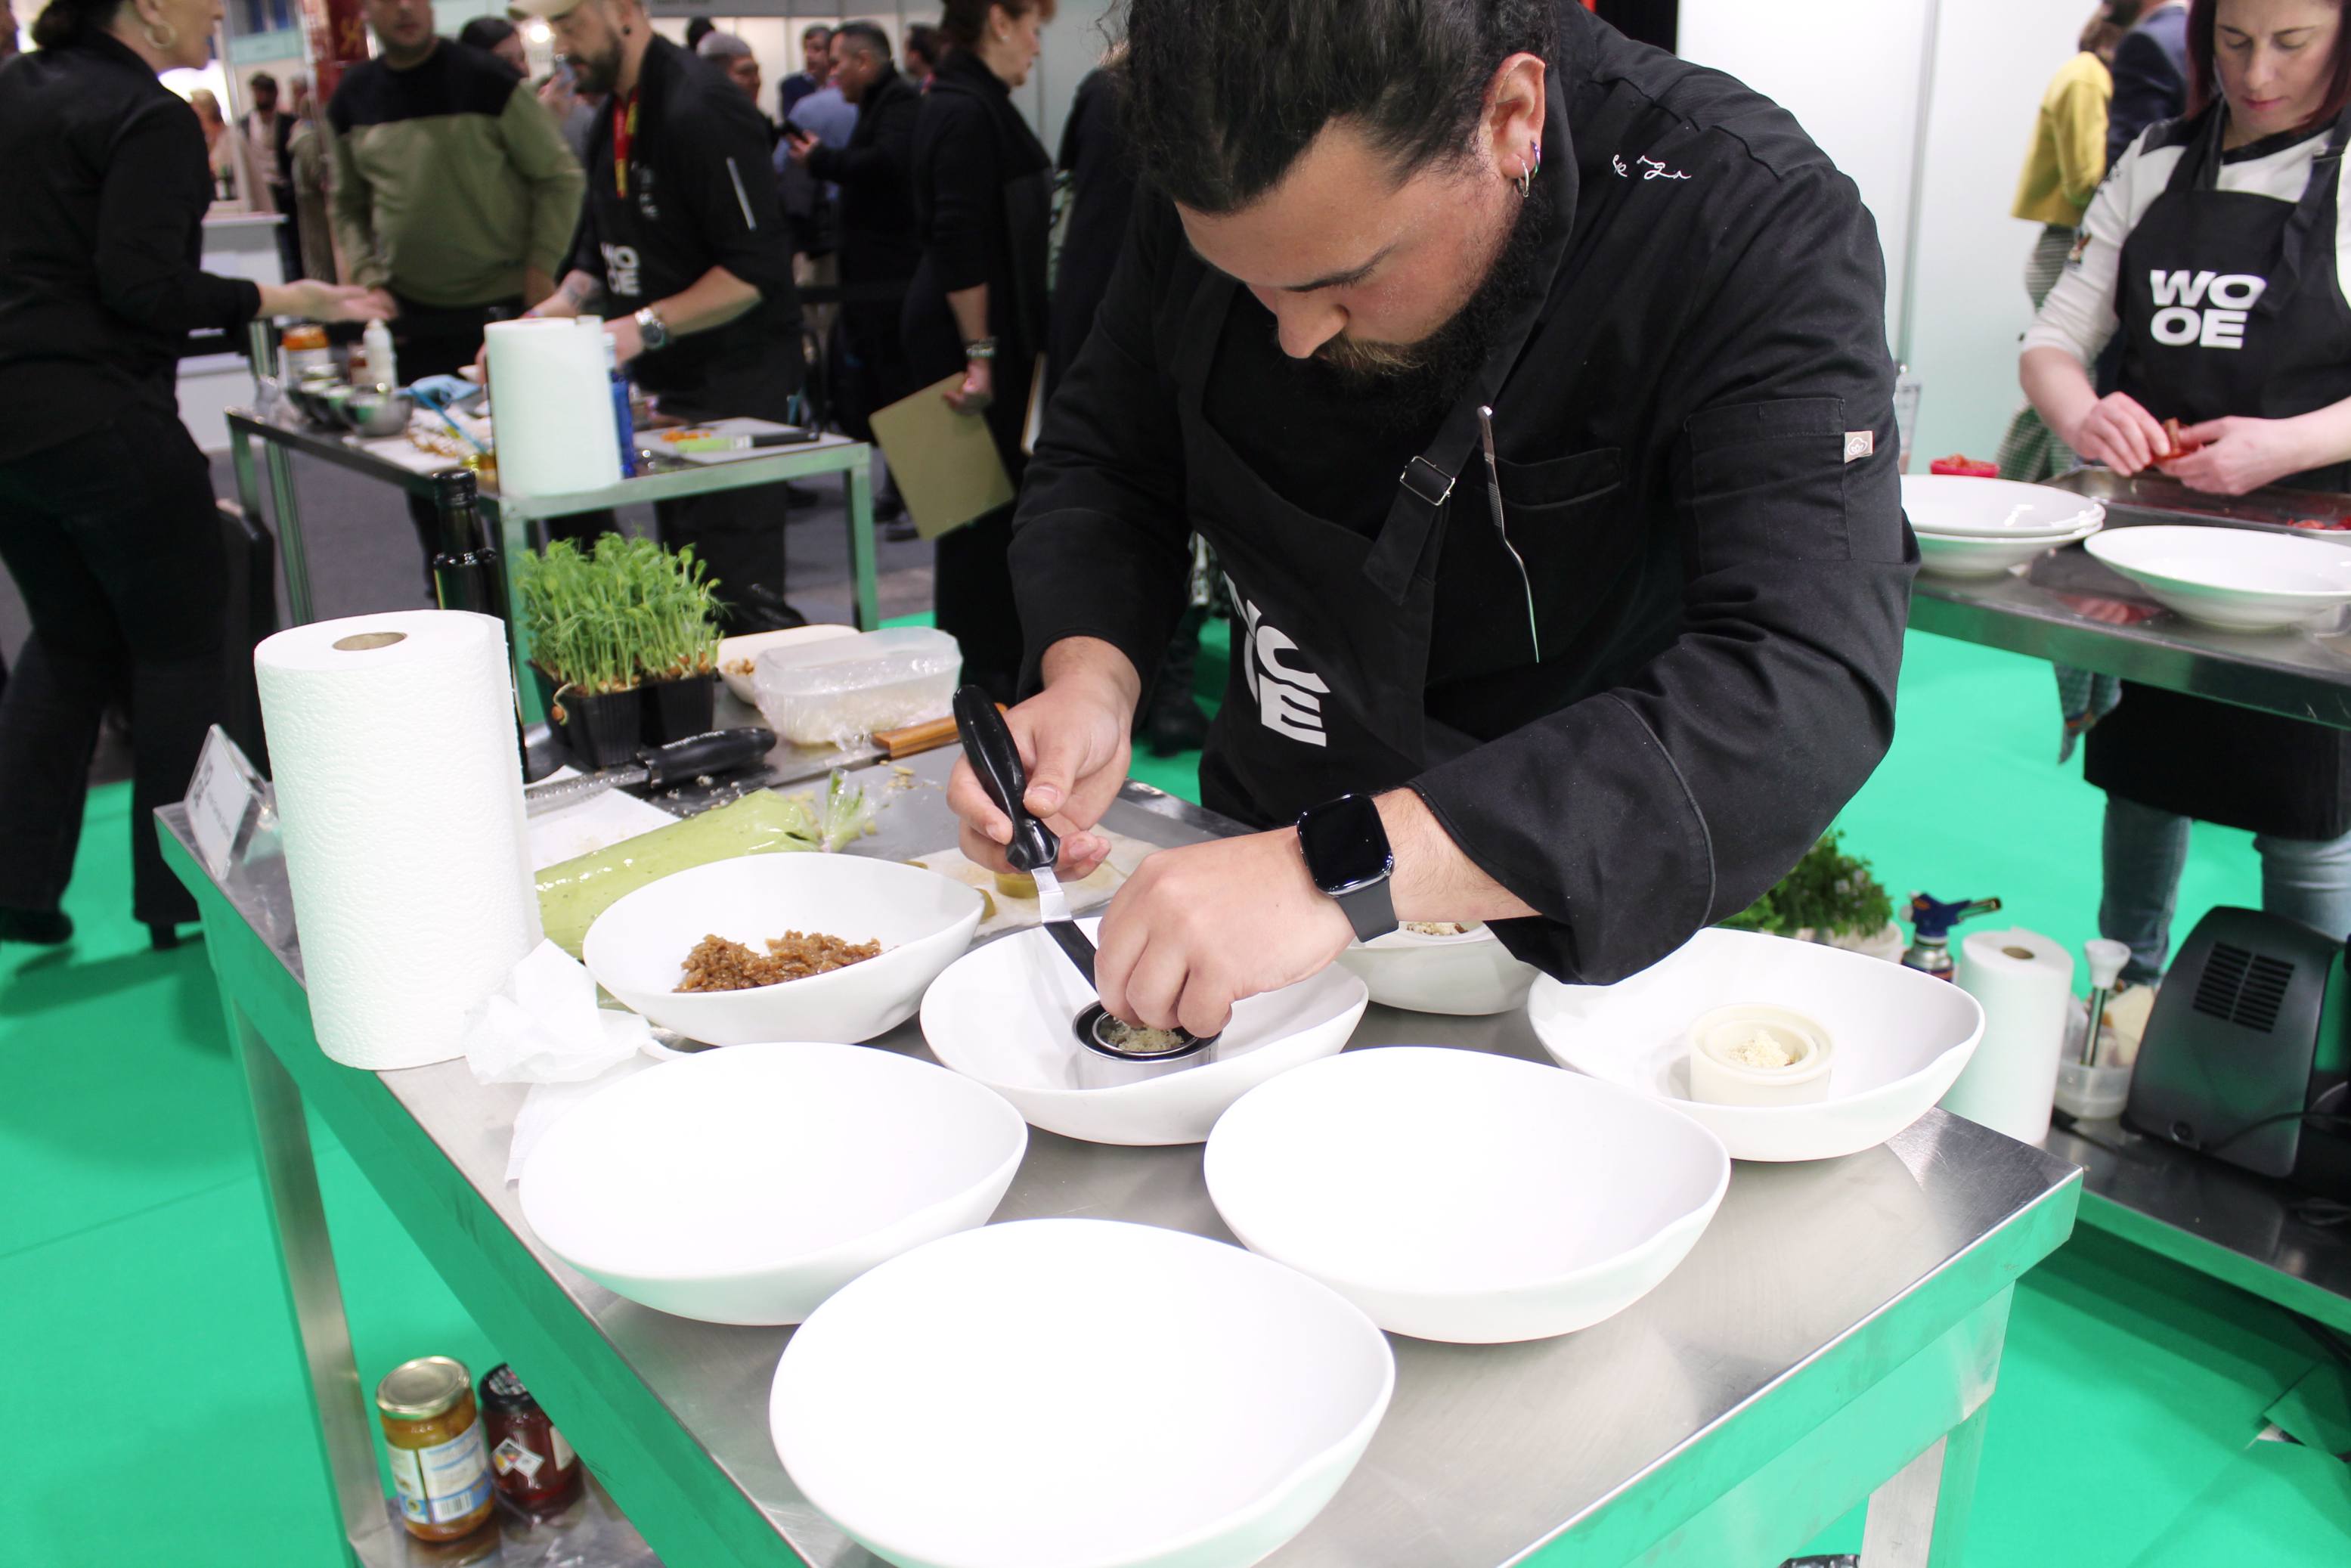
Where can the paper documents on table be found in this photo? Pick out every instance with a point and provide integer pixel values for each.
(1006, 913)
(946, 462)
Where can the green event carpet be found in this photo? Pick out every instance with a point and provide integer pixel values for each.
(158, 1415)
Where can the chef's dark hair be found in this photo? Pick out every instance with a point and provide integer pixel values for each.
(962, 22)
(2204, 77)
(485, 33)
(865, 34)
(63, 22)
(1223, 95)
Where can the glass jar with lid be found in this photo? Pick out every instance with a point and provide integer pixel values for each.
(433, 1432)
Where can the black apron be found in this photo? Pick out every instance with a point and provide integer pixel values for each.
(2230, 303)
(1331, 628)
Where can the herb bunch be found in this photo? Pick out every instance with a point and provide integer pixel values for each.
(1829, 892)
(617, 614)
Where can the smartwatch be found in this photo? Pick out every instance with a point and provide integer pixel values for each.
(651, 328)
(1347, 855)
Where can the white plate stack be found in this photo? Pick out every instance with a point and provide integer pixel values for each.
(1982, 527)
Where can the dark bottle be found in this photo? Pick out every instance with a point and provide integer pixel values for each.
(466, 574)
(536, 1470)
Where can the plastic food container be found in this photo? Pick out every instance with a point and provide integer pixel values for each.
(1716, 1075)
(2092, 1093)
(843, 689)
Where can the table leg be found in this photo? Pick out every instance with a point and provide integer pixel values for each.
(1918, 1518)
(867, 611)
(288, 520)
(511, 526)
(289, 1188)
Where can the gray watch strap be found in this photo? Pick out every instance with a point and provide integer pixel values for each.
(1370, 909)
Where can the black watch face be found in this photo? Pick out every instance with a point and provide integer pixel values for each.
(1344, 843)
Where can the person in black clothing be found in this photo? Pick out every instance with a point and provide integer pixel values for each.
(922, 55)
(497, 37)
(2150, 70)
(683, 251)
(983, 198)
(106, 519)
(879, 250)
(269, 135)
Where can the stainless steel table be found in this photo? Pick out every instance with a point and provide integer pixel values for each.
(1835, 1337)
(519, 520)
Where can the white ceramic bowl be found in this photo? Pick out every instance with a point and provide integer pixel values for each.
(1901, 1037)
(635, 949)
(2235, 579)
(1947, 555)
(1470, 975)
(1095, 1395)
(1003, 1015)
(1953, 506)
(1718, 1080)
(1463, 1196)
(746, 1185)
(737, 656)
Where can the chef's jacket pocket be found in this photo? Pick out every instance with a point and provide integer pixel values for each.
(1566, 519)
(1771, 482)
(1561, 481)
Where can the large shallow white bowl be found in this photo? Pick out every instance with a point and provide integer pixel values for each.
(1951, 555)
(1457, 1196)
(1901, 1037)
(1078, 1393)
(1003, 1014)
(2235, 579)
(1952, 505)
(746, 1185)
(636, 949)
(1470, 975)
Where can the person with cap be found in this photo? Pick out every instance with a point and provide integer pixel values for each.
(683, 252)
(730, 54)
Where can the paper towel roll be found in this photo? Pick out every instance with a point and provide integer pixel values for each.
(2025, 982)
(400, 798)
(551, 406)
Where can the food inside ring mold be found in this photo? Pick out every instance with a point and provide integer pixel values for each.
(1748, 1054)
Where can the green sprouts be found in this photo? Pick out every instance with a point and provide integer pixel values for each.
(617, 614)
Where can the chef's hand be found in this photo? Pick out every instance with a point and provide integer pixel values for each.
(628, 342)
(1073, 737)
(1196, 929)
(978, 389)
(2120, 433)
(2239, 454)
(799, 145)
(314, 301)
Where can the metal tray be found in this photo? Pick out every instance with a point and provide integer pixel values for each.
(2150, 498)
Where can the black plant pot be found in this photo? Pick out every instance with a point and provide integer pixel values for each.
(602, 730)
(676, 709)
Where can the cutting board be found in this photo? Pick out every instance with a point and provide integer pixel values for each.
(1011, 913)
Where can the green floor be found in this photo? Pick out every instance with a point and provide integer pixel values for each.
(156, 1414)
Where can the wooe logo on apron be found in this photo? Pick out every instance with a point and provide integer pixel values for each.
(1289, 696)
(2183, 315)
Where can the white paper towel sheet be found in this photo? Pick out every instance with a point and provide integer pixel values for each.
(2025, 982)
(552, 405)
(400, 792)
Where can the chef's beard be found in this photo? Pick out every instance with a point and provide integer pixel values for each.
(1433, 373)
(596, 73)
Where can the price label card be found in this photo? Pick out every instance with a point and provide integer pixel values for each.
(225, 799)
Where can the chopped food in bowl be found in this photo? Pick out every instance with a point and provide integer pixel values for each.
(718, 965)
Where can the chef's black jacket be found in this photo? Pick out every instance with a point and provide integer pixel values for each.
(701, 193)
(876, 175)
(1698, 463)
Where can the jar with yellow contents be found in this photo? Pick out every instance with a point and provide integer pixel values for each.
(440, 1465)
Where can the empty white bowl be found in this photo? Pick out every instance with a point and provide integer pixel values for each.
(1457, 1196)
(636, 949)
(1078, 1393)
(737, 656)
(1953, 556)
(1954, 505)
(1003, 1015)
(746, 1185)
(2235, 579)
(1470, 975)
(1901, 1037)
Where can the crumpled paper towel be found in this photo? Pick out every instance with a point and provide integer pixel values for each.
(542, 1026)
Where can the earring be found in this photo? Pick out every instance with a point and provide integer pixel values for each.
(1529, 169)
(160, 36)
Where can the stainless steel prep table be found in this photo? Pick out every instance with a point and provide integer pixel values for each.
(1834, 1337)
(514, 518)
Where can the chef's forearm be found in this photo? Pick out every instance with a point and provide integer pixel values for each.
(715, 298)
(970, 308)
(1090, 661)
(579, 293)
(2323, 436)
(1432, 879)
(2058, 387)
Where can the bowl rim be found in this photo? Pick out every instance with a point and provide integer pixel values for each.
(2088, 507)
(1697, 1216)
(1403, 939)
(2318, 596)
(1140, 1088)
(824, 983)
(1356, 1438)
(580, 1259)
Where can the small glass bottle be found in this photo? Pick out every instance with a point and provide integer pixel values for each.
(433, 1433)
(536, 1470)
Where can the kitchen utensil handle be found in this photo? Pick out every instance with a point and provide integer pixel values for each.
(1074, 943)
(715, 751)
(989, 745)
(897, 744)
